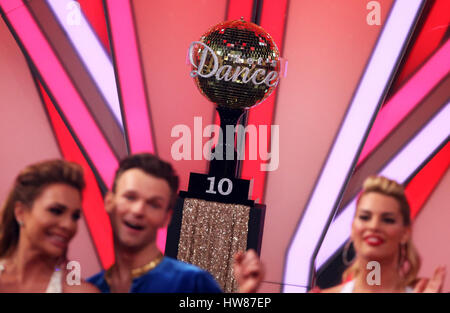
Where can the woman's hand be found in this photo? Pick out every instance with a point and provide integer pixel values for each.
(432, 285)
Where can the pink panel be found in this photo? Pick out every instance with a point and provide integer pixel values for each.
(240, 8)
(429, 38)
(25, 135)
(432, 242)
(25, 130)
(273, 16)
(327, 44)
(165, 29)
(62, 89)
(406, 99)
(11, 5)
(128, 67)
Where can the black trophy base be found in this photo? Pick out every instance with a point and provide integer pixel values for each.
(217, 189)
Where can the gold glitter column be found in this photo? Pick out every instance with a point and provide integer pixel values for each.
(211, 233)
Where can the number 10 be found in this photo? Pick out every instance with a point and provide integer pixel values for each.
(220, 186)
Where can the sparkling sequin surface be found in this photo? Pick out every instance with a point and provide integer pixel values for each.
(246, 66)
(211, 233)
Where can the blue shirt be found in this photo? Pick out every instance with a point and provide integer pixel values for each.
(169, 276)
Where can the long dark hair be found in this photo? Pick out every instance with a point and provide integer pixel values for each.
(27, 186)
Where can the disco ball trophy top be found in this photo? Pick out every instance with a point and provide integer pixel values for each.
(235, 65)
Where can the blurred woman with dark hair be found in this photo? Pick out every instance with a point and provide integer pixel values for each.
(381, 232)
(39, 219)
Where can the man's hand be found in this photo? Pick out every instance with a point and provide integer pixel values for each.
(248, 271)
(434, 284)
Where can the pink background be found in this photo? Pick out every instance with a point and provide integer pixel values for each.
(327, 44)
(26, 136)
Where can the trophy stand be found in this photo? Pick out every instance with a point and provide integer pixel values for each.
(215, 219)
(235, 65)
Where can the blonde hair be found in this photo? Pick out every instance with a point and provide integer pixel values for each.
(410, 258)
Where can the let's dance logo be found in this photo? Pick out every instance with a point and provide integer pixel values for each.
(208, 66)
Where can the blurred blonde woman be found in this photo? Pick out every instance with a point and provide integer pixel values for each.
(38, 220)
(381, 232)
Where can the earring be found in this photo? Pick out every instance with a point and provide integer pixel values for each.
(20, 223)
(345, 254)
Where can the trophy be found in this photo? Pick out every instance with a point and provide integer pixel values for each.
(235, 65)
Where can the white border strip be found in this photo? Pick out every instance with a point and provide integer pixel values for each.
(91, 51)
(399, 168)
(338, 166)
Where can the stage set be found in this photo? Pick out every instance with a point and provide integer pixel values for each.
(272, 112)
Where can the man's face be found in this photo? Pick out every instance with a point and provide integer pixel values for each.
(138, 208)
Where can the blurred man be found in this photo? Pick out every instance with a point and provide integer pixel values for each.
(141, 202)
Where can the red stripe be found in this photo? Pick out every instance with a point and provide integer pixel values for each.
(240, 8)
(273, 17)
(236, 10)
(273, 21)
(428, 39)
(93, 209)
(426, 44)
(407, 98)
(135, 108)
(93, 10)
(422, 185)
